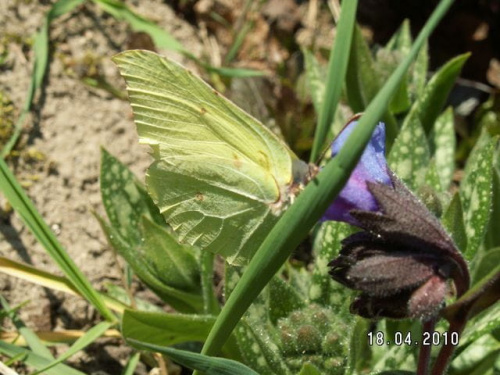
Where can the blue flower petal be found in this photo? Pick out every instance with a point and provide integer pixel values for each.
(372, 167)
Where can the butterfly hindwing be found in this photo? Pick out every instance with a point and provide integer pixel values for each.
(220, 178)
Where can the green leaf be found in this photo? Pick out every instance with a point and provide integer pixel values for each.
(315, 75)
(170, 329)
(180, 300)
(36, 361)
(360, 352)
(418, 78)
(173, 264)
(323, 289)
(31, 338)
(409, 156)
(34, 221)
(88, 338)
(132, 364)
(484, 265)
(472, 360)
(434, 97)
(431, 179)
(492, 236)
(475, 192)
(442, 143)
(125, 200)
(484, 323)
(283, 299)
(208, 365)
(258, 350)
(453, 222)
(309, 369)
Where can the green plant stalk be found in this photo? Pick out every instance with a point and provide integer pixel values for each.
(337, 69)
(34, 221)
(210, 303)
(310, 205)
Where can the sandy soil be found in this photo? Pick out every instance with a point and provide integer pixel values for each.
(70, 124)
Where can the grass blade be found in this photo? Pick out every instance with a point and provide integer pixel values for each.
(88, 338)
(35, 360)
(48, 280)
(209, 365)
(311, 203)
(33, 220)
(337, 68)
(31, 338)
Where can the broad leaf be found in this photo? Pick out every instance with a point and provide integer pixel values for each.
(315, 75)
(434, 97)
(453, 221)
(442, 142)
(180, 300)
(323, 289)
(409, 156)
(475, 192)
(174, 264)
(170, 329)
(258, 349)
(125, 200)
(282, 299)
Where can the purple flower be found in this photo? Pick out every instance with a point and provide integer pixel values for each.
(403, 258)
(372, 167)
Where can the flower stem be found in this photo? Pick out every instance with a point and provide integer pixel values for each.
(448, 348)
(424, 357)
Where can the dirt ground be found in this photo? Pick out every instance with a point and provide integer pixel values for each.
(70, 124)
(60, 148)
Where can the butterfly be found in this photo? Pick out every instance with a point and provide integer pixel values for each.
(220, 178)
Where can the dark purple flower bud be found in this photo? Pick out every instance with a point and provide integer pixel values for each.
(402, 260)
(372, 167)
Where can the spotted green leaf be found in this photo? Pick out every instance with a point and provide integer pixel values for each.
(315, 75)
(183, 301)
(220, 178)
(282, 299)
(442, 143)
(419, 70)
(326, 247)
(478, 358)
(492, 236)
(259, 350)
(309, 369)
(409, 156)
(434, 97)
(475, 192)
(432, 178)
(125, 199)
(453, 221)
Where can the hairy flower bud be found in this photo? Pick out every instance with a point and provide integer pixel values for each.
(402, 260)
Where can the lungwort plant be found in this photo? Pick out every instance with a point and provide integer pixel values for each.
(405, 274)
